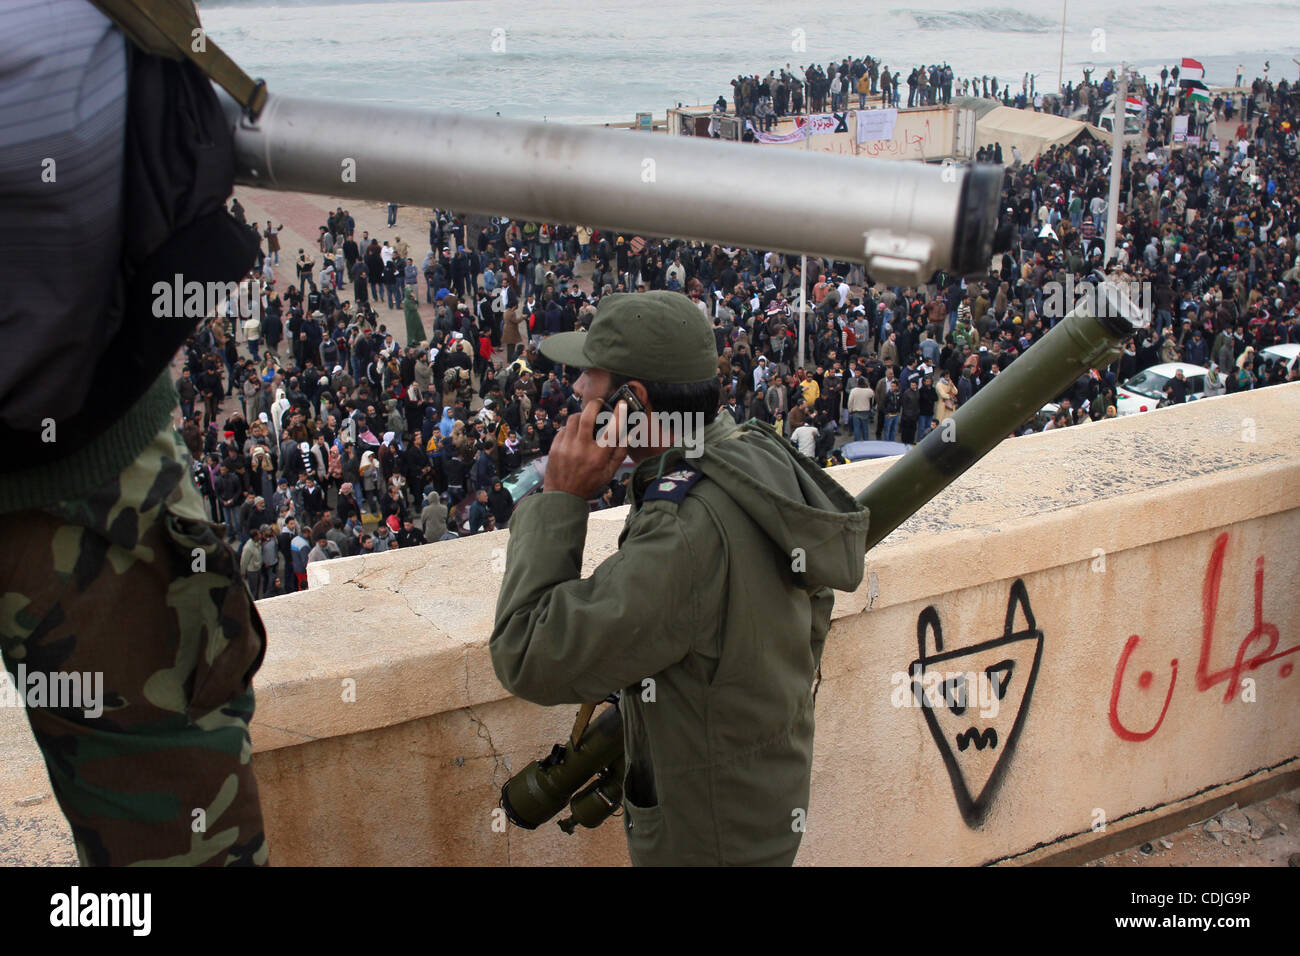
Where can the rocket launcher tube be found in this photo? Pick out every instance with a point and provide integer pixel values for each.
(1088, 337)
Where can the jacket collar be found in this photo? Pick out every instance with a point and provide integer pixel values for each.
(722, 428)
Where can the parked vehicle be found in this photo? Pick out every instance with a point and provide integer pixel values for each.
(1146, 390)
(1288, 355)
(867, 450)
(527, 480)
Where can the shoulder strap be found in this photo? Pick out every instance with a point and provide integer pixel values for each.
(673, 485)
(170, 29)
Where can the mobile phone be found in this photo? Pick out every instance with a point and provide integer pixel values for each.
(622, 394)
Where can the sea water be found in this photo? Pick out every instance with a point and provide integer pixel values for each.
(604, 62)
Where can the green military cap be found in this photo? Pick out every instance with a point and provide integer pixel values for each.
(651, 336)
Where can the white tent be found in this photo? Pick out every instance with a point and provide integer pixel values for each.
(1029, 131)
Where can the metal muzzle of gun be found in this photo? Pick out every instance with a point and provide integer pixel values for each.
(904, 220)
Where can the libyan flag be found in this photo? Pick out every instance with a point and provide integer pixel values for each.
(1191, 70)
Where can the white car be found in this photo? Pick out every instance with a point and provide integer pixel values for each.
(1146, 390)
(1044, 415)
(1286, 354)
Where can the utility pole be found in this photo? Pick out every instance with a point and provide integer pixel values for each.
(803, 266)
(1060, 63)
(1116, 160)
(803, 302)
(1129, 205)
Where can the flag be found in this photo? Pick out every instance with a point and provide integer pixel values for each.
(636, 245)
(1199, 96)
(1134, 104)
(1191, 69)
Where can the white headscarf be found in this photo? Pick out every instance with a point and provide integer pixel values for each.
(278, 408)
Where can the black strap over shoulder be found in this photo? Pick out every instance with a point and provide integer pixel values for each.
(171, 29)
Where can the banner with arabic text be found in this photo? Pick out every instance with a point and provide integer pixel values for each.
(798, 135)
(819, 123)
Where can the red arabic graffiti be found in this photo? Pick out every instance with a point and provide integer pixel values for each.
(829, 144)
(913, 142)
(1144, 681)
(1232, 675)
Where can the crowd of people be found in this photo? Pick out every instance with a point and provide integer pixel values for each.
(866, 81)
(357, 433)
(833, 87)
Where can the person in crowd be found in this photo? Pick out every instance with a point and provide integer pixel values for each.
(1224, 274)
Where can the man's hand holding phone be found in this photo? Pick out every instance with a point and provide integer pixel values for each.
(579, 464)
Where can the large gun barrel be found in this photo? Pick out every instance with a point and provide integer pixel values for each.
(1088, 337)
(904, 220)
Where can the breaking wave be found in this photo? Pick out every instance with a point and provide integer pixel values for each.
(1000, 20)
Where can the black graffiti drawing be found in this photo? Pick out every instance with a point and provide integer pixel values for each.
(987, 739)
(984, 744)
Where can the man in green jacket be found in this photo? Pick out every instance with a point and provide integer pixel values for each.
(414, 327)
(250, 563)
(712, 614)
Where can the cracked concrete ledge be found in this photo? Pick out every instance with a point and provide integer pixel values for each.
(410, 627)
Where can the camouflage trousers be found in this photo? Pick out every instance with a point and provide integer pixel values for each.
(134, 587)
